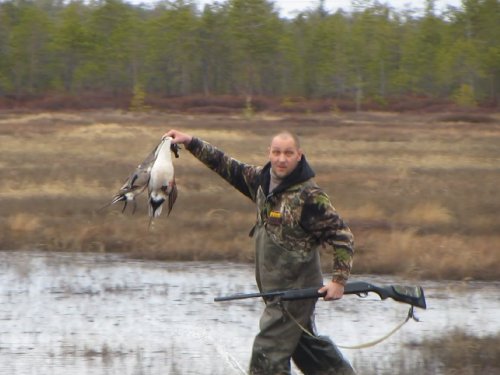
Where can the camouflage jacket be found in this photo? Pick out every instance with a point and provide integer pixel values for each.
(297, 214)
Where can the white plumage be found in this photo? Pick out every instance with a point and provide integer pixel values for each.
(161, 186)
(156, 173)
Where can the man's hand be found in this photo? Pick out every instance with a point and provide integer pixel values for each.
(178, 137)
(333, 291)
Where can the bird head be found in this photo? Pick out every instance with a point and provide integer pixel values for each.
(174, 147)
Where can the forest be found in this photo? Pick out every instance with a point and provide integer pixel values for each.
(372, 54)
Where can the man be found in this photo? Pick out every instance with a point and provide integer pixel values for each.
(294, 218)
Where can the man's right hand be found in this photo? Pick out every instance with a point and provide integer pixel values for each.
(178, 137)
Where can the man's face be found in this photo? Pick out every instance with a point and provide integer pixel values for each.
(283, 155)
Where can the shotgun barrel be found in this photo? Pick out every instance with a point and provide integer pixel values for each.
(412, 295)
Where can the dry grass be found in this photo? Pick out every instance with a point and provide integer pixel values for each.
(429, 256)
(459, 353)
(419, 193)
(455, 353)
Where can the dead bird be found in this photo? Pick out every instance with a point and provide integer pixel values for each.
(135, 184)
(138, 180)
(161, 185)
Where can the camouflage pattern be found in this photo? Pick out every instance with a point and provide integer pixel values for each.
(242, 176)
(292, 222)
(304, 217)
(280, 337)
(278, 267)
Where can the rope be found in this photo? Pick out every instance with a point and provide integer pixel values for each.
(385, 337)
(364, 345)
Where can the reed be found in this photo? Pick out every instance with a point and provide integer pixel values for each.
(459, 353)
(455, 353)
(419, 193)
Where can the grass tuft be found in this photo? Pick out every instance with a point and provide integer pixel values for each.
(420, 195)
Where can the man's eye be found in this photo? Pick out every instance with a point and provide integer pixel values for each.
(288, 153)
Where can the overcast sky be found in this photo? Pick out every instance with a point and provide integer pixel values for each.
(291, 7)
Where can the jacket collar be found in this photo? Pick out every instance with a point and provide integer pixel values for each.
(301, 173)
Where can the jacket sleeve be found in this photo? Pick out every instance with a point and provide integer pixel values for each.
(240, 175)
(320, 218)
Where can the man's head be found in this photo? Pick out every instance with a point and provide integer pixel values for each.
(284, 153)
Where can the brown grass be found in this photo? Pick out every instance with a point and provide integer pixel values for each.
(459, 353)
(419, 193)
(454, 353)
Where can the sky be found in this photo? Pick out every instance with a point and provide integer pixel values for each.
(289, 8)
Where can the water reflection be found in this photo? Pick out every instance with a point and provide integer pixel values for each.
(103, 314)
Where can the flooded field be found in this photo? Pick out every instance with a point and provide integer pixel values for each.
(81, 314)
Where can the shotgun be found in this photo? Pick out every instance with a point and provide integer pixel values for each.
(412, 295)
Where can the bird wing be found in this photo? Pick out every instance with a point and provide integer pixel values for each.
(172, 197)
(148, 162)
(139, 178)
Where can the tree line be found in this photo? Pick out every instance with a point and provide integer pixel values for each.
(244, 47)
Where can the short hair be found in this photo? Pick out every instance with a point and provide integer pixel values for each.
(287, 133)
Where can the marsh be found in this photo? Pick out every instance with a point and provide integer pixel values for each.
(72, 313)
(419, 191)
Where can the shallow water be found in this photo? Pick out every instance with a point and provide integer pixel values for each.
(103, 314)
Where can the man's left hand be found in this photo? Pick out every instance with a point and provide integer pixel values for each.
(333, 291)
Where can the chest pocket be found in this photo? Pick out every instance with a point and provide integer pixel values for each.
(280, 215)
